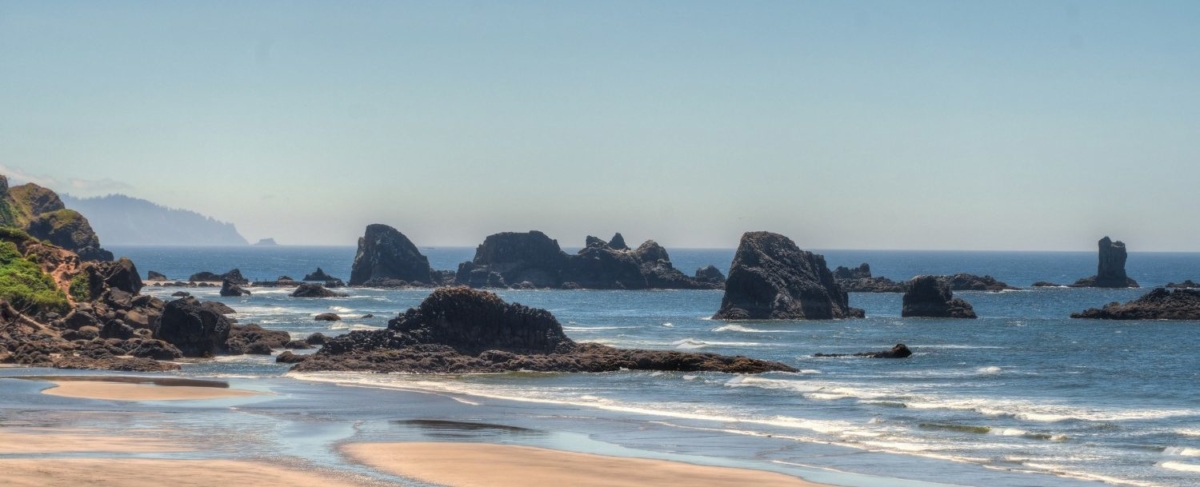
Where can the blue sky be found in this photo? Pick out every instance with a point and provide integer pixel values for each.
(935, 125)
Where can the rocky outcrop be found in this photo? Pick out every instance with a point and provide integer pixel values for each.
(234, 276)
(930, 296)
(196, 330)
(327, 317)
(710, 274)
(972, 282)
(1187, 284)
(41, 213)
(307, 290)
(1046, 284)
(617, 242)
(1159, 304)
(100, 276)
(155, 276)
(254, 340)
(230, 290)
(898, 351)
(459, 330)
(771, 278)
(1110, 271)
(319, 276)
(860, 280)
(266, 242)
(386, 254)
(534, 260)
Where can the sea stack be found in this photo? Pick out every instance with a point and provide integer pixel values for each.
(1159, 304)
(1110, 272)
(771, 278)
(386, 254)
(930, 296)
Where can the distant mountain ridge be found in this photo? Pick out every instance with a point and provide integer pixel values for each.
(124, 220)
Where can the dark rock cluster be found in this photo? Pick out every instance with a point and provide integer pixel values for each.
(898, 351)
(1159, 304)
(308, 290)
(930, 296)
(459, 330)
(860, 280)
(771, 278)
(234, 276)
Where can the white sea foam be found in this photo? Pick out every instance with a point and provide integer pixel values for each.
(353, 327)
(341, 309)
(1182, 451)
(598, 328)
(992, 370)
(1188, 431)
(1181, 467)
(743, 329)
(668, 325)
(692, 344)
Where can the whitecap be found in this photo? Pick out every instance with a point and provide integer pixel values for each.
(1181, 467)
(743, 329)
(992, 370)
(668, 325)
(1182, 451)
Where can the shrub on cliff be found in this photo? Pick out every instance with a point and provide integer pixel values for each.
(23, 283)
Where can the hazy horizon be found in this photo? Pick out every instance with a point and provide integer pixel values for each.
(930, 125)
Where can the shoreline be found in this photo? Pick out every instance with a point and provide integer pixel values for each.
(128, 388)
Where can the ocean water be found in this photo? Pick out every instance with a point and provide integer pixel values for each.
(1022, 396)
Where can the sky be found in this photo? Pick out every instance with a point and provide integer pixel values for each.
(1014, 125)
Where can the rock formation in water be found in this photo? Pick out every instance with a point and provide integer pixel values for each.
(898, 351)
(460, 330)
(618, 242)
(930, 296)
(319, 275)
(860, 280)
(385, 254)
(229, 289)
(1110, 271)
(1159, 304)
(1187, 284)
(534, 260)
(197, 330)
(972, 282)
(771, 278)
(266, 242)
(234, 276)
(710, 274)
(308, 290)
(40, 213)
(155, 276)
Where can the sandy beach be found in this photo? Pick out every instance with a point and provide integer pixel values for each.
(134, 389)
(491, 465)
(71, 472)
(23, 441)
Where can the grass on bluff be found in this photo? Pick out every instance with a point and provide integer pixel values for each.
(25, 286)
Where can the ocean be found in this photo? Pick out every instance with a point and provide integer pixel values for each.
(1022, 396)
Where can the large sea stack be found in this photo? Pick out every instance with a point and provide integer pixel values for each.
(385, 254)
(930, 296)
(1159, 304)
(533, 259)
(462, 330)
(1110, 271)
(771, 278)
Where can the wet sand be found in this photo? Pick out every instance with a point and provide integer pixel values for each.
(490, 465)
(43, 441)
(139, 389)
(126, 472)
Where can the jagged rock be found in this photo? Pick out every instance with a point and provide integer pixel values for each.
(155, 276)
(121, 275)
(930, 296)
(1159, 304)
(591, 241)
(318, 275)
(1046, 284)
(385, 253)
(315, 291)
(297, 345)
(898, 351)
(771, 278)
(316, 339)
(1110, 271)
(710, 274)
(254, 340)
(229, 289)
(617, 242)
(463, 330)
(195, 329)
(511, 257)
(234, 276)
(327, 317)
(860, 272)
(1188, 284)
(971, 282)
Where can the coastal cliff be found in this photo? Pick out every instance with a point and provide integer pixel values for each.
(41, 213)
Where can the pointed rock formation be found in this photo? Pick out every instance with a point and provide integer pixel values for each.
(930, 296)
(1110, 271)
(386, 254)
(771, 278)
(617, 242)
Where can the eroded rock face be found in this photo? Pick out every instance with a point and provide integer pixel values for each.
(254, 340)
(1159, 304)
(463, 330)
(386, 254)
(930, 296)
(41, 213)
(307, 290)
(710, 274)
(197, 330)
(122, 275)
(1110, 270)
(512, 258)
(229, 289)
(771, 278)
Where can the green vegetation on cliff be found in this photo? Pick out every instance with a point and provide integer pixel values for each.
(25, 286)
